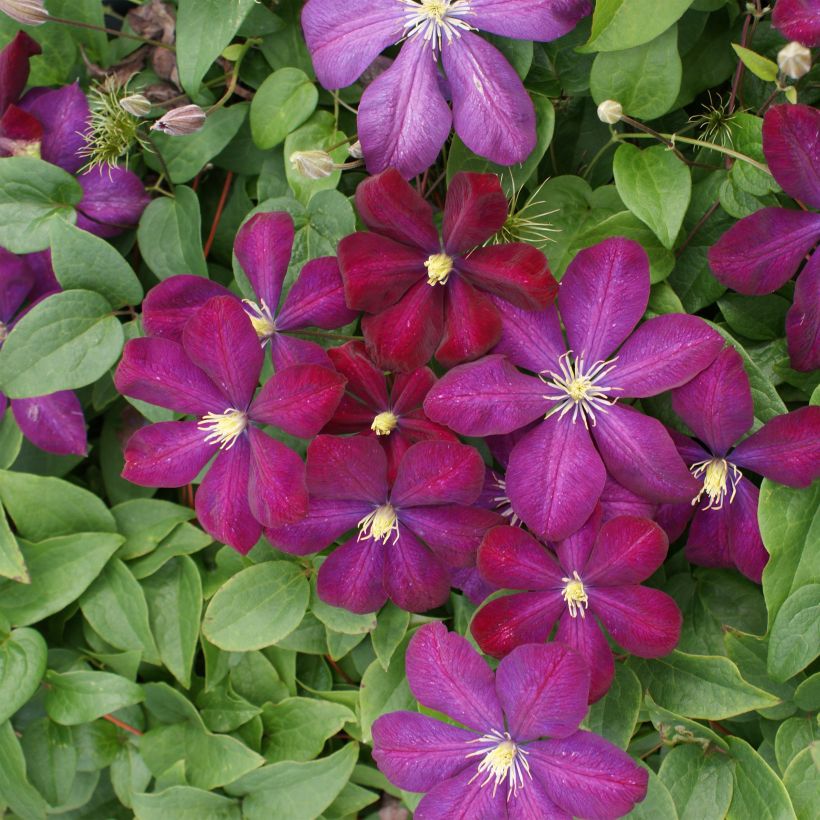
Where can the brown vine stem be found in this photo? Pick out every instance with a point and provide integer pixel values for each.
(116, 32)
(117, 722)
(223, 198)
(700, 223)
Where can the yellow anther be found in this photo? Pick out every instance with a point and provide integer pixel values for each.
(261, 318)
(575, 595)
(717, 474)
(380, 524)
(439, 267)
(384, 424)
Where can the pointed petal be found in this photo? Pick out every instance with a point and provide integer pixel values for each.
(492, 111)
(762, 252)
(543, 691)
(798, 20)
(16, 280)
(470, 582)
(747, 550)
(299, 400)
(554, 478)
(511, 558)
(445, 673)
(514, 620)
(717, 404)
(352, 576)
(712, 535)
(584, 636)
(471, 323)
(460, 799)
(603, 295)
(640, 455)
(532, 802)
(791, 144)
(627, 551)
(673, 519)
(343, 45)
(317, 298)
(288, 351)
(54, 423)
(276, 489)
(531, 339)
(416, 752)
(410, 389)
(113, 201)
(14, 67)
(170, 304)
(365, 381)
(541, 20)
(403, 117)
(476, 208)
(20, 133)
(167, 454)
(786, 449)
(221, 340)
(617, 500)
(45, 282)
(262, 248)
(347, 469)
(573, 552)
(487, 397)
(415, 579)
(803, 319)
(327, 520)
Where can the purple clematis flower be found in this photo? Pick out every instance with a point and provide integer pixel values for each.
(597, 573)
(255, 480)
(763, 251)
(798, 20)
(557, 472)
(404, 118)
(54, 423)
(521, 755)
(409, 535)
(717, 407)
(263, 248)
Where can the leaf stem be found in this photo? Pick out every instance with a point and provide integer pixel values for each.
(116, 32)
(223, 198)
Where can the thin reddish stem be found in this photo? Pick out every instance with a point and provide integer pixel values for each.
(223, 198)
(121, 725)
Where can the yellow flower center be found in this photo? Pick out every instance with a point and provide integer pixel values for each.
(439, 267)
(718, 474)
(261, 319)
(501, 759)
(384, 424)
(436, 20)
(224, 428)
(579, 389)
(380, 524)
(575, 595)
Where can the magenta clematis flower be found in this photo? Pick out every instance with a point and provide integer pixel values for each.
(409, 535)
(798, 20)
(395, 417)
(557, 471)
(597, 573)
(425, 295)
(263, 248)
(54, 423)
(717, 407)
(404, 119)
(521, 755)
(763, 251)
(255, 480)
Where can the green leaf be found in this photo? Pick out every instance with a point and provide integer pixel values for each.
(61, 570)
(794, 735)
(700, 784)
(15, 790)
(79, 697)
(257, 607)
(33, 193)
(170, 235)
(12, 564)
(281, 104)
(185, 803)
(699, 686)
(66, 341)
(84, 261)
(185, 539)
(10, 439)
(760, 318)
(760, 66)
(22, 666)
(129, 774)
(678, 729)
(802, 780)
(340, 620)
(384, 690)
(656, 186)
(223, 710)
(389, 632)
(758, 791)
(51, 759)
(349, 802)
(622, 24)
(645, 80)
(807, 695)
(616, 714)
(795, 637)
(145, 522)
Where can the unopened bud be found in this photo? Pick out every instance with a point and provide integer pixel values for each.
(26, 12)
(312, 164)
(136, 104)
(610, 112)
(179, 122)
(356, 150)
(794, 60)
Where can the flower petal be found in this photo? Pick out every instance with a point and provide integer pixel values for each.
(170, 304)
(54, 423)
(113, 201)
(416, 752)
(365, 381)
(221, 340)
(617, 500)
(16, 280)
(585, 636)
(531, 339)
(403, 117)
(445, 673)
(543, 691)
(627, 551)
(798, 20)
(415, 579)
(471, 323)
(487, 397)
(276, 489)
(343, 45)
(803, 319)
(588, 776)
(532, 802)
(785, 449)
(511, 558)
(791, 144)
(492, 111)
(316, 299)
(717, 404)
(14, 67)
(476, 208)
(747, 550)
(541, 20)
(20, 132)
(347, 469)
(351, 577)
(554, 478)
(410, 389)
(262, 248)
(573, 551)
(327, 520)
(603, 295)
(514, 620)
(761, 253)
(167, 454)
(288, 351)
(460, 799)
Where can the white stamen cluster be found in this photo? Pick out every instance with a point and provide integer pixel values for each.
(223, 428)
(261, 319)
(502, 502)
(575, 595)
(380, 525)
(436, 20)
(501, 759)
(716, 481)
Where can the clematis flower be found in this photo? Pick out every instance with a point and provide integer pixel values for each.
(394, 416)
(763, 251)
(798, 20)
(263, 248)
(594, 581)
(717, 406)
(520, 755)
(54, 423)
(409, 534)
(428, 295)
(212, 374)
(404, 119)
(557, 471)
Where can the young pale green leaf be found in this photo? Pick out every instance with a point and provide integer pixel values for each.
(66, 341)
(795, 637)
(802, 781)
(656, 186)
(622, 24)
(281, 104)
(15, 790)
(22, 666)
(79, 697)
(33, 193)
(760, 66)
(185, 803)
(700, 784)
(758, 791)
(615, 715)
(257, 607)
(12, 563)
(51, 759)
